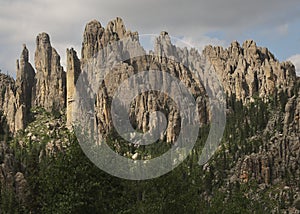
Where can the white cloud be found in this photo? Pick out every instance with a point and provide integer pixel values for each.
(295, 59)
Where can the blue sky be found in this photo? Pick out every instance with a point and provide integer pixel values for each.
(283, 40)
(271, 23)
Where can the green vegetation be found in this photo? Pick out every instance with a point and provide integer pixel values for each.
(67, 182)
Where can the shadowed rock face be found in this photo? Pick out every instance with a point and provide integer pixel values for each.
(50, 79)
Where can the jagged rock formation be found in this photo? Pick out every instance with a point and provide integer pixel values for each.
(245, 71)
(116, 43)
(16, 96)
(46, 88)
(25, 78)
(248, 70)
(8, 103)
(50, 87)
(24, 86)
(96, 37)
(73, 72)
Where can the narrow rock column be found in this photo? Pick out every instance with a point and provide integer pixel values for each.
(24, 85)
(73, 71)
(50, 88)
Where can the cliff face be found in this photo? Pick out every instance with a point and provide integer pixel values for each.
(73, 72)
(96, 37)
(44, 88)
(17, 95)
(50, 86)
(25, 79)
(24, 87)
(249, 71)
(245, 71)
(115, 43)
(8, 103)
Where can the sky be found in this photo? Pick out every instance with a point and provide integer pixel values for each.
(274, 24)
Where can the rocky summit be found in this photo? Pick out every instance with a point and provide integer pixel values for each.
(50, 86)
(257, 161)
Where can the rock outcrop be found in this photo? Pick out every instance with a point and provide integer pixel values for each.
(96, 37)
(25, 79)
(73, 72)
(50, 86)
(244, 71)
(17, 95)
(24, 88)
(8, 103)
(247, 71)
(115, 44)
(46, 88)
(278, 156)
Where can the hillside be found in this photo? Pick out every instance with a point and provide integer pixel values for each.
(255, 168)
